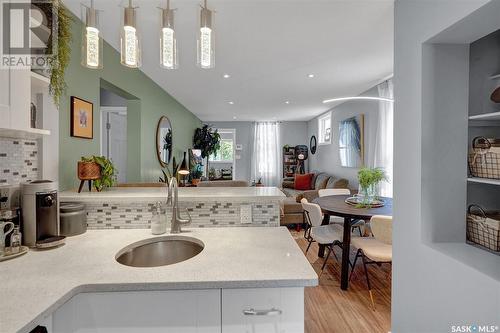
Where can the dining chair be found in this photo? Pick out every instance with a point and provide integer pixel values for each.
(329, 235)
(356, 224)
(376, 249)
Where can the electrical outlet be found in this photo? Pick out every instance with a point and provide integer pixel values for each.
(4, 197)
(246, 214)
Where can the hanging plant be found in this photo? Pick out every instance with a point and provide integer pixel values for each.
(207, 140)
(61, 58)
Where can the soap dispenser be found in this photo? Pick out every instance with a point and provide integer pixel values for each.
(158, 225)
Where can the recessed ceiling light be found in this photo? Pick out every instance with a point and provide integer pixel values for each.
(234, 117)
(230, 102)
(287, 102)
(310, 76)
(226, 76)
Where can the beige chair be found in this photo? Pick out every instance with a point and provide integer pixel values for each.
(337, 219)
(378, 249)
(328, 235)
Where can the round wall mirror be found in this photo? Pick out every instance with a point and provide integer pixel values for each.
(164, 141)
(312, 145)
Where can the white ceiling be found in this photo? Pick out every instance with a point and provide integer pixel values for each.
(268, 48)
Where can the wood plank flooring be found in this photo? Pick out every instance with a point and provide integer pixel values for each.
(328, 309)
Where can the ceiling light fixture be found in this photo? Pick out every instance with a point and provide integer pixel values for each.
(206, 54)
(91, 38)
(226, 76)
(310, 76)
(287, 102)
(129, 40)
(358, 98)
(168, 41)
(234, 117)
(230, 102)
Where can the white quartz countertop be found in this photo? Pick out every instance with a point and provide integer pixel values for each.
(34, 285)
(185, 193)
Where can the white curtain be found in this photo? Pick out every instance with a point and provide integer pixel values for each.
(266, 160)
(383, 156)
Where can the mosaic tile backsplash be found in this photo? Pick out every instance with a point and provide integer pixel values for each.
(18, 161)
(137, 215)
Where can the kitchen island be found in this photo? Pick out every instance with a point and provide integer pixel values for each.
(239, 272)
(131, 207)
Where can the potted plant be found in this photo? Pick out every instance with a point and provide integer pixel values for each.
(207, 140)
(104, 177)
(369, 178)
(196, 174)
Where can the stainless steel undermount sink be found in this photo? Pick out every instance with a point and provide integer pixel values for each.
(159, 251)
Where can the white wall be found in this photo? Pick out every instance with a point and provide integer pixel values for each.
(432, 290)
(291, 132)
(327, 157)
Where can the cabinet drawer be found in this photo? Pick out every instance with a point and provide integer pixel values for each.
(179, 311)
(263, 310)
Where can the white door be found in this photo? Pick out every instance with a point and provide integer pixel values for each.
(175, 311)
(114, 139)
(263, 310)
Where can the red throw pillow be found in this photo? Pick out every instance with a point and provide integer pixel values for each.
(303, 182)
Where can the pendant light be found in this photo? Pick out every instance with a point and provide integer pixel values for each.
(168, 42)
(183, 169)
(129, 38)
(206, 54)
(91, 38)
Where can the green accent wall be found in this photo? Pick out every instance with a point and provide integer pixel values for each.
(147, 102)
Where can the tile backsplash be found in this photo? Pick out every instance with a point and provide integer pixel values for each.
(18, 161)
(137, 215)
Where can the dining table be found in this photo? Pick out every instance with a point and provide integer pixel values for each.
(336, 205)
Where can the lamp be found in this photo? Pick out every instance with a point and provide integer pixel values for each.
(91, 38)
(206, 54)
(168, 42)
(183, 170)
(130, 50)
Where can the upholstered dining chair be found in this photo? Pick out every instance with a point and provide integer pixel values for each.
(357, 224)
(329, 235)
(376, 249)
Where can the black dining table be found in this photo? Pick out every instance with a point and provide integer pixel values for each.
(335, 205)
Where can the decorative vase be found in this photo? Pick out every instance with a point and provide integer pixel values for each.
(195, 181)
(368, 194)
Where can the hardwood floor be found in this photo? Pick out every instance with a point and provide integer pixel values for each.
(328, 309)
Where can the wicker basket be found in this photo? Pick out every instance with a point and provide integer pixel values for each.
(484, 161)
(483, 228)
(88, 171)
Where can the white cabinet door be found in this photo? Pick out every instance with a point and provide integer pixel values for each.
(182, 311)
(263, 310)
(4, 98)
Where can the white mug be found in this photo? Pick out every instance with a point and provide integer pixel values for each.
(3, 235)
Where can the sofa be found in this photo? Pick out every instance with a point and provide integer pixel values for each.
(292, 208)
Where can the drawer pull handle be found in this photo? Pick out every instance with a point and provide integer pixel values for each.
(253, 312)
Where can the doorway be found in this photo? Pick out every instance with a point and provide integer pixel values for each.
(113, 110)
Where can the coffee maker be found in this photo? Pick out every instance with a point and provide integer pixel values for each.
(40, 209)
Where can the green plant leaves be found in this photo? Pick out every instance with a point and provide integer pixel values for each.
(207, 140)
(108, 171)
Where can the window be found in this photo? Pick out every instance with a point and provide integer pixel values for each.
(225, 154)
(325, 129)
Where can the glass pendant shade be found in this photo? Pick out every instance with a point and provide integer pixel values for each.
(91, 38)
(206, 44)
(183, 169)
(168, 42)
(130, 48)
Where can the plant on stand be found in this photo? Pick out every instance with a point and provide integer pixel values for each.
(196, 174)
(108, 172)
(207, 140)
(369, 178)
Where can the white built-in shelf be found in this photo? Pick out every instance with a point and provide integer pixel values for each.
(486, 116)
(39, 83)
(494, 77)
(30, 133)
(484, 181)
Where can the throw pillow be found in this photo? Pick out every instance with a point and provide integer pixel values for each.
(303, 182)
